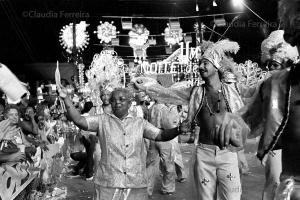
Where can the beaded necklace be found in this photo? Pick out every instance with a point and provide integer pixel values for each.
(220, 92)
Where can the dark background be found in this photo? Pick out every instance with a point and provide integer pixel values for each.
(35, 38)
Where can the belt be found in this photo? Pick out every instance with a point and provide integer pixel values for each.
(209, 146)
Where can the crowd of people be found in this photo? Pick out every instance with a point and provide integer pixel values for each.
(133, 136)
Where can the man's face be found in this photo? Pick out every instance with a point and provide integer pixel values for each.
(41, 122)
(274, 66)
(207, 69)
(105, 97)
(13, 116)
(47, 113)
(29, 111)
(120, 103)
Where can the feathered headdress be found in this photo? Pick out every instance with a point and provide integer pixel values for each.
(217, 52)
(205, 45)
(289, 15)
(275, 48)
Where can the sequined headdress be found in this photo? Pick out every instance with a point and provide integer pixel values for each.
(275, 48)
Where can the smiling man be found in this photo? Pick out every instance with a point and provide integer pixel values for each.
(212, 106)
(121, 173)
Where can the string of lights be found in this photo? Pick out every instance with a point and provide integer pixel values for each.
(168, 17)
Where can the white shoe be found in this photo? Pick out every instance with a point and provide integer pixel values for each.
(89, 179)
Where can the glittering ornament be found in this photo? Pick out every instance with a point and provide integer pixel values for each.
(106, 73)
(172, 36)
(249, 73)
(81, 39)
(106, 32)
(138, 35)
(80, 74)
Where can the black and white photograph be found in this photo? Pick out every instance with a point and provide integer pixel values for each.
(150, 100)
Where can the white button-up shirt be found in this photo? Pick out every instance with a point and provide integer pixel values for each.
(123, 152)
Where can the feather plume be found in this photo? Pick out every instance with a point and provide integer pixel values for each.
(225, 46)
(217, 52)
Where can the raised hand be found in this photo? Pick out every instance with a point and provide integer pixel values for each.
(230, 129)
(63, 93)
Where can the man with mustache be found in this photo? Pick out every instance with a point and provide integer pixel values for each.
(211, 106)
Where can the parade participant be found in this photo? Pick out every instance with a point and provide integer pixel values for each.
(105, 95)
(275, 53)
(122, 170)
(277, 105)
(211, 105)
(28, 123)
(164, 116)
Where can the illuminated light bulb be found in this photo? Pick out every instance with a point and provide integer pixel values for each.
(215, 4)
(197, 8)
(238, 3)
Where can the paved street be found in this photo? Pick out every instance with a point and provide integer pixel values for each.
(79, 189)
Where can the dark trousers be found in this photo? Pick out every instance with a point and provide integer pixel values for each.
(85, 159)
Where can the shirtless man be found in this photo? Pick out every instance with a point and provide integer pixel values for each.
(216, 167)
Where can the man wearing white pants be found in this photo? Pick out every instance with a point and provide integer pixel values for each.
(167, 154)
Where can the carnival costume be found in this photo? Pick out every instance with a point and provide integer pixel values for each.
(273, 107)
(194, 97)
(275, 49)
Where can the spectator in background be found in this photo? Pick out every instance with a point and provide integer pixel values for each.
(166, 154)
(89, 140)
(13, 136)
(105, 95)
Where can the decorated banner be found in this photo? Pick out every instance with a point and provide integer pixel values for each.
(15, 177)
(173, 35)
(138, 40)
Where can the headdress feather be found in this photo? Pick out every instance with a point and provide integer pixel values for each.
(217, 52)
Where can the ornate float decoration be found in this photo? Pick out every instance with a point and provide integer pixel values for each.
(107, 71)
(138, 40)
(249, 73)
(106, 32)
(173, 35)
(80, 68)
(74, 39)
